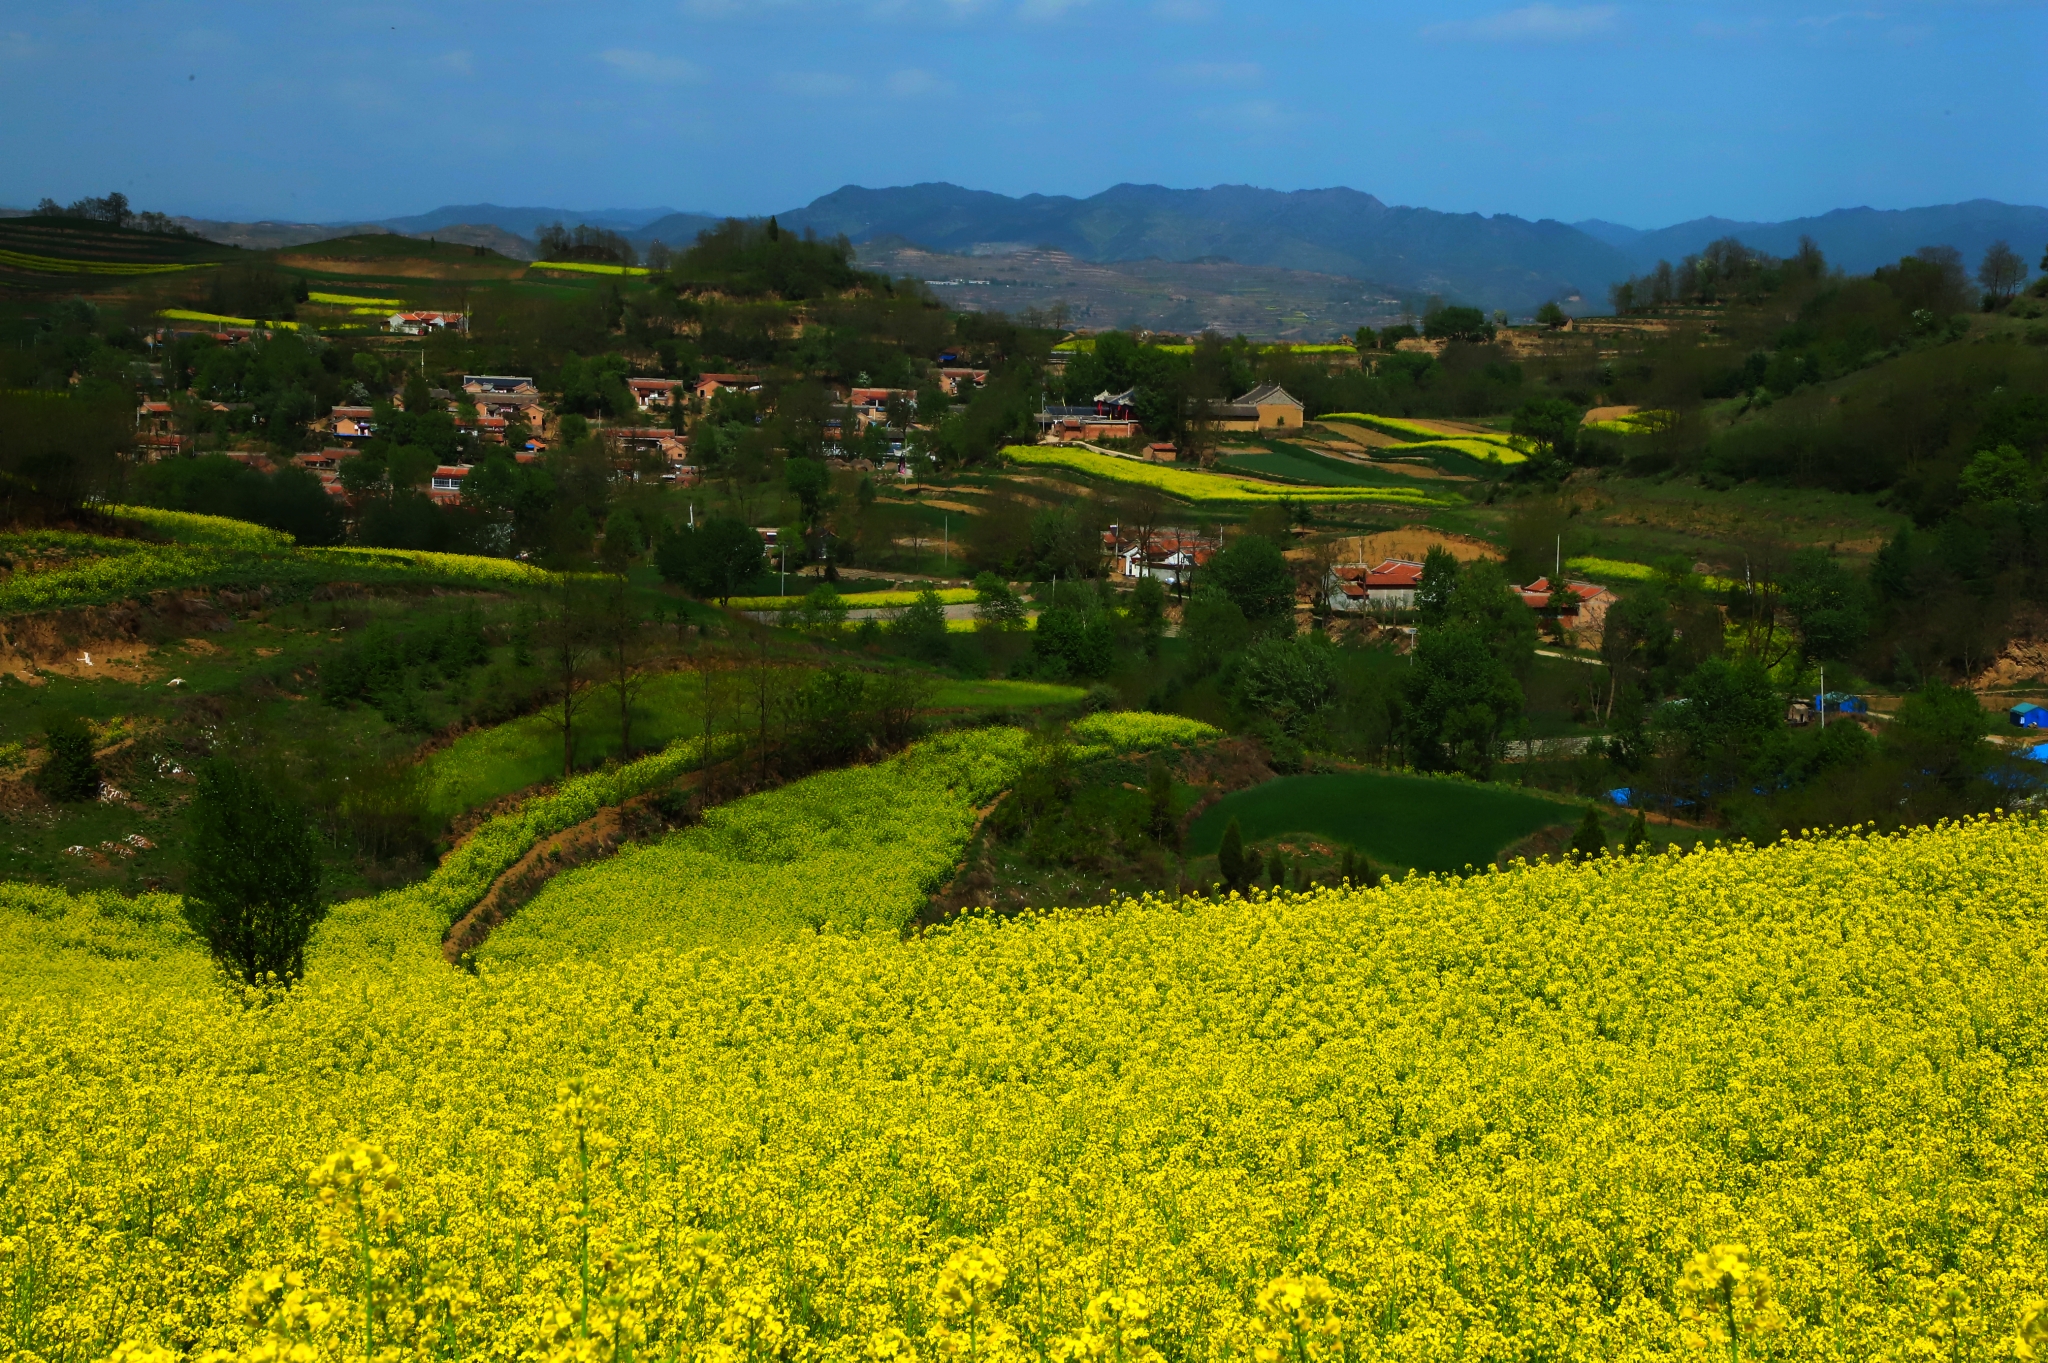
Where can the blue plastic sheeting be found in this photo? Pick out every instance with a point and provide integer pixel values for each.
(2038, 753)
(1621, 795)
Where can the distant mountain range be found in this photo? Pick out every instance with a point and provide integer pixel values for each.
(1495, 262)
(1856, 239)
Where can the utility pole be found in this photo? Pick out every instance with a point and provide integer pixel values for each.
(945, 546)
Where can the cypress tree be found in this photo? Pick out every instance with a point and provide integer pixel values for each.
(1638, 831)
(1159, 801)
(69, 772)
(1230, 856)
(1591, 839)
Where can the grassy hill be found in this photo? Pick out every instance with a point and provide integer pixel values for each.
(39, 255)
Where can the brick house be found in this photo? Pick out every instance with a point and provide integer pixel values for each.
(653, 395)
(1269, 407)
(1586, 616)
(1390, 586)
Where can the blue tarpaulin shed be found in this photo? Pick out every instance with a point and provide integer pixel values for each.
(2027, 715)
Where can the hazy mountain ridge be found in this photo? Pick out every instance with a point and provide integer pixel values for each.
(1861, 239)
(1501, 261)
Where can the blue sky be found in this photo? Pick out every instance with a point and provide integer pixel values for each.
(1639, 113)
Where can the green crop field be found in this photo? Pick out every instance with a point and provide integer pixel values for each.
(1205, 489)
(1298, 465)
(1002, 695)
(1425, 823)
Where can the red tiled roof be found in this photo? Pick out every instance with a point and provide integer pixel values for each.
(1537, 594)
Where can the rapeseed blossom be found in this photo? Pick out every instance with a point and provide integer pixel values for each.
(1782, 1101)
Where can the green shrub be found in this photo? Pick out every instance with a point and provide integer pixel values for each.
(68, 773)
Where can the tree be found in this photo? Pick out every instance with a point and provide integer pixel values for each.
(69, 773)
(1253, 573)
(1461, 699)
(1075, 640)
(253, 892)
(1729, 713)
(1357, 870)
(1290, 682)
(1999, 475)
(1238, 867)
(1829, 603)
(2001, 273)
(620, 631)
(922, 628)
(1638, 832)
(716, 559)
(1491, 608)
(1590, 840)
(1214, 627)
(1553, 316)
(1147, 613)
(1456, 324)
(1440, 573)
(811, 481)
(996, 607)
(1941, 732)
(1550, 426)
(1159, 820)
(565, 647)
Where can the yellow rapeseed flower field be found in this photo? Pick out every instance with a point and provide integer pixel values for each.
(1776, 1104)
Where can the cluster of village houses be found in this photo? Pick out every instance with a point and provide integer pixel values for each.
(490, 405)
(1385, 591)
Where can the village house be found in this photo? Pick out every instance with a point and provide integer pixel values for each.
(950, 380)
(1388, 587)
(445, 488)
(520, 407)
(1112, 416)
(1171, 556)
(323, 461)
(630, 445)
(653, 395)
(709, 386)
(156, 433)
(1586, 616)
(870, 406)
(352, 423)
(499, 385)
(419, 323)
(1268, 407)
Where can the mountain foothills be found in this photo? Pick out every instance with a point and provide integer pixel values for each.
(1500, 261)
(700, 800)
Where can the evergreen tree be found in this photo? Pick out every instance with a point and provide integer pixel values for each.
(69, 772)
(1358, 872)
(1638, 831)
(1276, 866)
(1591, 839)
(1159, 803)
(253, 894)
(1230, 856)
